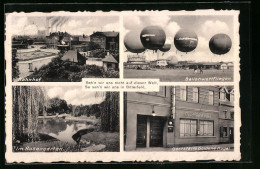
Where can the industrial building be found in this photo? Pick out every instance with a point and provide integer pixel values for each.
(106, 40)
(178, 116)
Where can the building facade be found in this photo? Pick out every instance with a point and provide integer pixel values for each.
(136, 61)
(174, 116)
(106, 40)
(226, 114)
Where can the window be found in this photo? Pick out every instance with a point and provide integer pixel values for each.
(232, 115)
(188, 127)
(206, 128)
(231, 97)
(211, 97)
(224, 132)
(195, 94)
(222, 95)
(183, 93)
(225, 112)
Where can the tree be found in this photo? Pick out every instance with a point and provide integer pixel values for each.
(57, 105)
(110, 112)
(27, 102)
(93, 46)
(15, 68)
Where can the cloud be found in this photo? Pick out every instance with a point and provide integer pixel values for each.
(209, 28)
(111, 27)
(18, 25)
(55, 92)
(172, 28)
(73, 26)
(75, 95)
(159, 20)
(132, 22)
(78, 97)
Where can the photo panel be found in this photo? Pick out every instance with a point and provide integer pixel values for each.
(64, 119)
(177, 47)
(180, 119)
(63, 48)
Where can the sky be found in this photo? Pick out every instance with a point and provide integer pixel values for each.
(75, 95)
(205, 26)
(75, 25)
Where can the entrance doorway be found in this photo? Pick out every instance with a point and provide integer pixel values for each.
(150, 131)
(156, 131)
(141, 131)
(231, 134)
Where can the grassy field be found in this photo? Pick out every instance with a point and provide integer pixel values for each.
(169, 75)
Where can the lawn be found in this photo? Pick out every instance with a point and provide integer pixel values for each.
(169, 75)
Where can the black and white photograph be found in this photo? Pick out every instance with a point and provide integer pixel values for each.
(122, 86)
(180, 118)
(65, 48)
(64, 119)
(180, 48)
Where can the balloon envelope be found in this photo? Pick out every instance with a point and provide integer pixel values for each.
(185, 40)
(153, 37)
(220, 44)
(133, 43)
(166, 47)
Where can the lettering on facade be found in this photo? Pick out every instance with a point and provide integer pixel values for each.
(197, 115)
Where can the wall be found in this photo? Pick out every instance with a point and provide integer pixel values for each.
(225, 121)
(37, 63)
(199, 111)
(141, 103)
(93, 62)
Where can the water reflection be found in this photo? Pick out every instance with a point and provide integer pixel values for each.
(61, 129)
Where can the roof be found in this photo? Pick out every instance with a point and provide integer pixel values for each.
(107, 34)
(86, 38)
(71, 55)
(109, 58)
(224, 88)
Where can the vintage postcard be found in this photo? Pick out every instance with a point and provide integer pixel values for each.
(122, 86)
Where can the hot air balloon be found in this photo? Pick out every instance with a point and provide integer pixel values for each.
(220, 44)
(185, 40)
(153, 37)
(166, 47)
(133, 43)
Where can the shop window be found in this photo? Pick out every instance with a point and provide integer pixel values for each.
(183, 93)
(206, 128)
(211, 97)
(188, 127)
(195, 94)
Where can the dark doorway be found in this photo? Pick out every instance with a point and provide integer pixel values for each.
(156, 131)
(141, 131)
(30, 67)
(231, 134)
